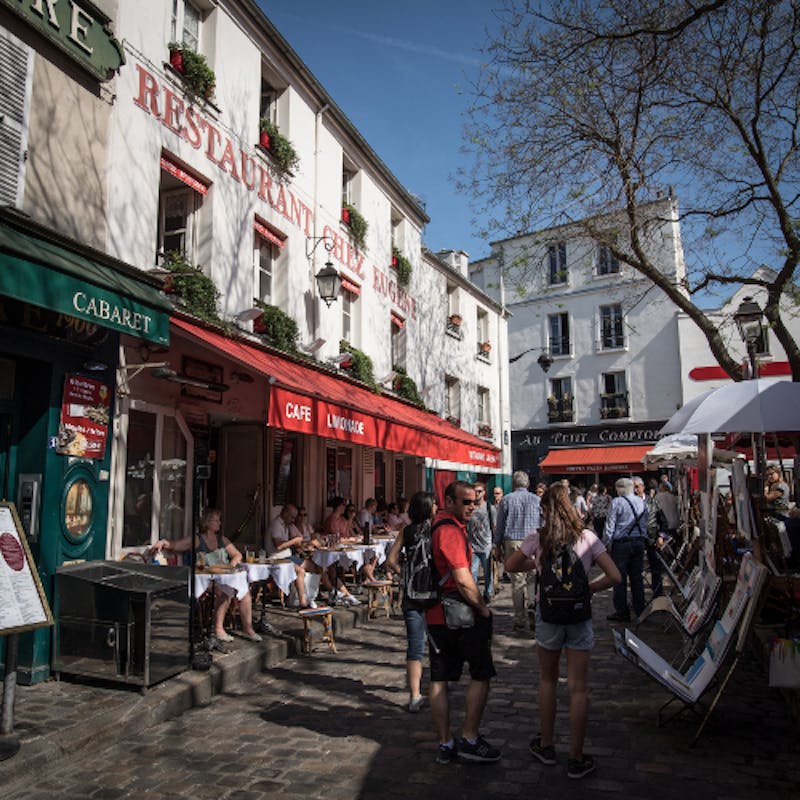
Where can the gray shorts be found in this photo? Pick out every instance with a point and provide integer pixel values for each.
(579, 636)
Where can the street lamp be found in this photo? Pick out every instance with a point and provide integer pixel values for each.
(748, 320)
(329, 282)
(545, 360)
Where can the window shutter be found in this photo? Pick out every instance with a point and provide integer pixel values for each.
(15, 60)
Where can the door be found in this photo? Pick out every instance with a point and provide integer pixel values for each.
(242, 471)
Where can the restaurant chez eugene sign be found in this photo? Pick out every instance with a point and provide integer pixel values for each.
(184, 119)
(77, 28)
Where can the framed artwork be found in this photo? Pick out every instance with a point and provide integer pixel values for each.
(206, 372)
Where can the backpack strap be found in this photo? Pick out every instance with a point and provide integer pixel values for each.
(466, 542)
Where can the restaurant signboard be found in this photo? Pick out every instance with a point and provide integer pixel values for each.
(83, 428)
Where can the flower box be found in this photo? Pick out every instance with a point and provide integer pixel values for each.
(485, 431)
(176, 59)
(454, 420)
(346, 216)
(264, 140)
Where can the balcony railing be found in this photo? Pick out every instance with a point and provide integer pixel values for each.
(614, 406)
(560, 409)
(559, 346)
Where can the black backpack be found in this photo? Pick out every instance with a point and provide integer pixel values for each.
(564, 595)
(421, 580)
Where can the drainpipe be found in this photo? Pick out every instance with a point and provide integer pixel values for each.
(312, 262)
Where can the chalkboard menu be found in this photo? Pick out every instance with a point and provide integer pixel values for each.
(23, 605)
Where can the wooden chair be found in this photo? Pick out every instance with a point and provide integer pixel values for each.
(325, 615)
(378, 593)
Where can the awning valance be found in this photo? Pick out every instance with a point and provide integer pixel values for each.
(595, 459)
(79, 283)
(306, 400)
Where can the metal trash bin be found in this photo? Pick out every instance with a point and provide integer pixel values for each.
(122, 621)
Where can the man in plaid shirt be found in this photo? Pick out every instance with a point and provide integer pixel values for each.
(518, 515)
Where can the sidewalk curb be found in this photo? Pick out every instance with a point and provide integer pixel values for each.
(169, 699)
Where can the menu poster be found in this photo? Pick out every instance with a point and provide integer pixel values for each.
(23, 605)
(83, 428)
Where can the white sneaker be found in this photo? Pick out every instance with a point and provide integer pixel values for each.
(352, 601)
(312, 603)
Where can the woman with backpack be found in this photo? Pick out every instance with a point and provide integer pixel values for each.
(421, 510)
(563, 551)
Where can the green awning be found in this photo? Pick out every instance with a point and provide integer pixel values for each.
(47, 274)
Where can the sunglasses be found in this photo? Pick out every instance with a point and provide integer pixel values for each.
(465, 502)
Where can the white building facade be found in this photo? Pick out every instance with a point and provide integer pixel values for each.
(192, 174)
(609, 340)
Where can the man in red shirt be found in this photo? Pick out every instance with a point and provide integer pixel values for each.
(451, 647)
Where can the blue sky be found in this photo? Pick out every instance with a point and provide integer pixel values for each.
(400, 71)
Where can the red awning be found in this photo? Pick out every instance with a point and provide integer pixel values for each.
(266, 232)
(627, 458)
(307, 400)
(183, 175)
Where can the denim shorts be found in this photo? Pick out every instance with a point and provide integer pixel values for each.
(415, 634)
(578, 636)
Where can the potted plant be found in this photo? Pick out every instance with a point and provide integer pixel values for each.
(198, 77)
(485, 430)
(453, 420)
(455, 319)
(357, 224)
(484, 348)
(360, 364)
(404, 386)
(403, 267)
(277, 327)
(176, 57)
(195, 290)
(280, 148)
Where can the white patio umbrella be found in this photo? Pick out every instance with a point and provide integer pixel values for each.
(757, 406)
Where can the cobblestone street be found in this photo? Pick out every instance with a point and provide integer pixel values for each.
(334, 726)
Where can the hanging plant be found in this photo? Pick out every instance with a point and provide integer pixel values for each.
(403, 267)
(195, 290)
(358, 225)
(277, 327)
(404, 386)
(360, 366)
(279, 147)
(198, 78)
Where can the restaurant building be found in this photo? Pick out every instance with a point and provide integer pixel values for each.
(193, 173)
(117, 382)
(594, 366)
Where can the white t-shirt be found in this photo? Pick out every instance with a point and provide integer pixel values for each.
(278, 532)
(364, 520)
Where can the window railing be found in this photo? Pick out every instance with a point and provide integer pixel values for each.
(614, 405)
(485, 430)
(560, 409)
(453, 326)
(559, 346)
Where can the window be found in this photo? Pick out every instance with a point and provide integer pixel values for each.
(482, 325)
(614, 397)
(157, 501)
(607, 263)
(559, 403)
(611, 327)
(557, 261)
(348, 298)
(268, 103)
(348, 176)
(398, 342)
(483, 406)
(176, 218)
(16, 69)
(265, 257)
(559, 334)
(186, 24)
(452, 400)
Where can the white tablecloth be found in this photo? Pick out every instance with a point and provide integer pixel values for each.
(282, 573)
(234, 583)
(324, 558)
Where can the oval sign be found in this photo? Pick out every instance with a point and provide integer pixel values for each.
(12, 551)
